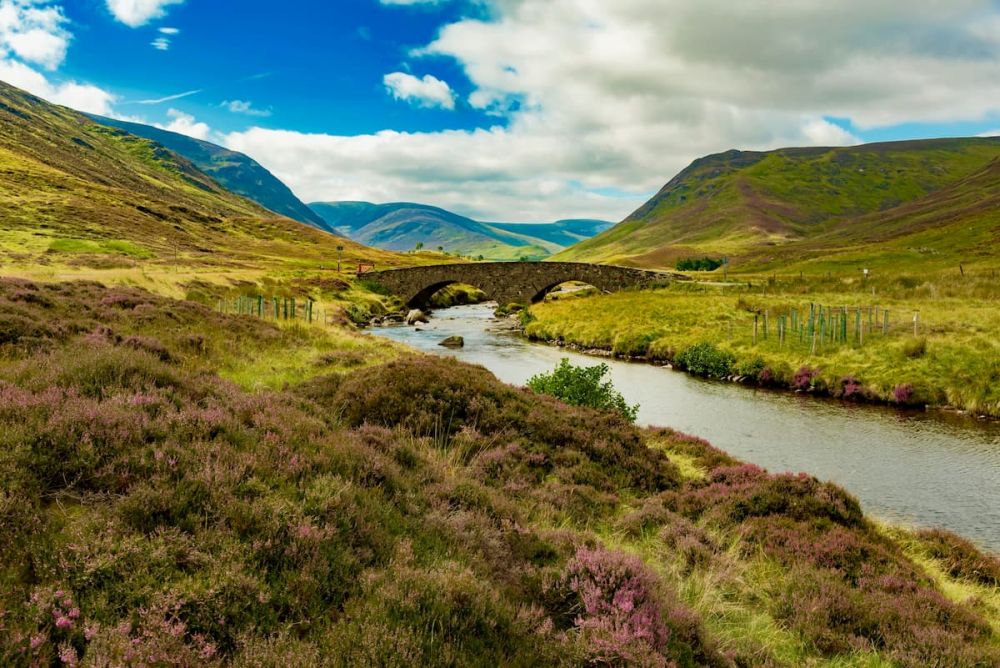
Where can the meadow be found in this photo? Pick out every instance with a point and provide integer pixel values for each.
(949, 358)
(184, 487)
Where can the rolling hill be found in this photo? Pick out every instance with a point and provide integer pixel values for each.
(81, 199)
(235, 171)
(766, 207)
(563, 233)
(402, 226)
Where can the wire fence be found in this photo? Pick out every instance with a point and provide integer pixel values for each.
(274, 308)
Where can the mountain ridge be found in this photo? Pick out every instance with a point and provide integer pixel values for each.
(237, 172)
(746, 203)
(403, 225)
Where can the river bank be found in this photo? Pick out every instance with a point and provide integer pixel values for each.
(945, 355)
(909, 467)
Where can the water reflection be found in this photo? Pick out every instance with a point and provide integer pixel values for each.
(925, 469)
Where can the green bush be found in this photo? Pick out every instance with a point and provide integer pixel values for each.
(915, 347)
(582, 386)
(705, 359)
(698, 264)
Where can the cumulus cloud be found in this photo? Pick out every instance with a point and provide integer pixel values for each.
(82, 97)
(185, 124)
(135, 13)
(246, 108)
(33, 31)
(428, 92)
(605, 99)
(33, 34)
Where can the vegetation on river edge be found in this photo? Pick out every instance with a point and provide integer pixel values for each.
(181, 487)
(953, 358)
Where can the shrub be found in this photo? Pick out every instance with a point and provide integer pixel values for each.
(698, 264)
(960, 558)
(583, 386)
(705, 359)
(617, 604)
(915, 347)
(851, 388)
(805, 378)
(751, 368)
(903, 394)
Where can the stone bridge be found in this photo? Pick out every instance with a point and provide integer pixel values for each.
(512, 282)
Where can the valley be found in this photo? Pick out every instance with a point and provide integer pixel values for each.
(183, 483)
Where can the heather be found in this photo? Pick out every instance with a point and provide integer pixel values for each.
(368, 507)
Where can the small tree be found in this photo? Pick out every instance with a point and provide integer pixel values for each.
(583, 386)
(420, 244)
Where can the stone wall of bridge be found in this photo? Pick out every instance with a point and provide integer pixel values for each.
(512, 282)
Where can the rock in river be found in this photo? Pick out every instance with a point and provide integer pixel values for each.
(415, 316)
(453, 342)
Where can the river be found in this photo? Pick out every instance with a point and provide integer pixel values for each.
(914, 468)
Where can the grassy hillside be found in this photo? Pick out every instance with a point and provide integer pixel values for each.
(768, 207)
(235, 171)
(83, 200)
(161, 505)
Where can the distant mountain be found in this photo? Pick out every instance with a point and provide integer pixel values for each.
(759, 205)
(235, 171)
(404, 225)
(563, 233)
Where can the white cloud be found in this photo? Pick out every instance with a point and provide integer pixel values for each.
(246, 108)
(33, 34)
(33, 31)
(160, 44)
(169, 31)
(169, 98)
(82, 97)
(821, 132)
(601, 97)
(186, 124)
(135, 13)
(428, 92)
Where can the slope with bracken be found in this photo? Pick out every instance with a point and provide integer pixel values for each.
(754, 204)
(79, 199)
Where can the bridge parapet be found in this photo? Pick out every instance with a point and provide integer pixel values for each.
(512, 282)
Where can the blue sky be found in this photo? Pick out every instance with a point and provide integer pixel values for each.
(526, 110)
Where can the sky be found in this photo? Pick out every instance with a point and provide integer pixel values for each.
(512, 110)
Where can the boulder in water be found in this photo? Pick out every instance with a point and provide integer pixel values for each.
(415, 316)
(453, 342)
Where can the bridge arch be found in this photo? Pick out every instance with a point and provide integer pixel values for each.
(511, 282)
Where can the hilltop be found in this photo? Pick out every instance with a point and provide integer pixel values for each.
(763, 207)
(402, 226)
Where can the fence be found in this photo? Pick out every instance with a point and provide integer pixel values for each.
(274, 308)
(824, 326)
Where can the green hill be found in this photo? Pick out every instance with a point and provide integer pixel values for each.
(753, 204)
(234, 171)
(403, 225)
(563, 233)
(81, 199)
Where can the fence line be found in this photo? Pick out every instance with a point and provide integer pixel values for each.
(822, 326)
(273, 308)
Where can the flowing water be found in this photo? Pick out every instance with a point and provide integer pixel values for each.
(924, 469)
